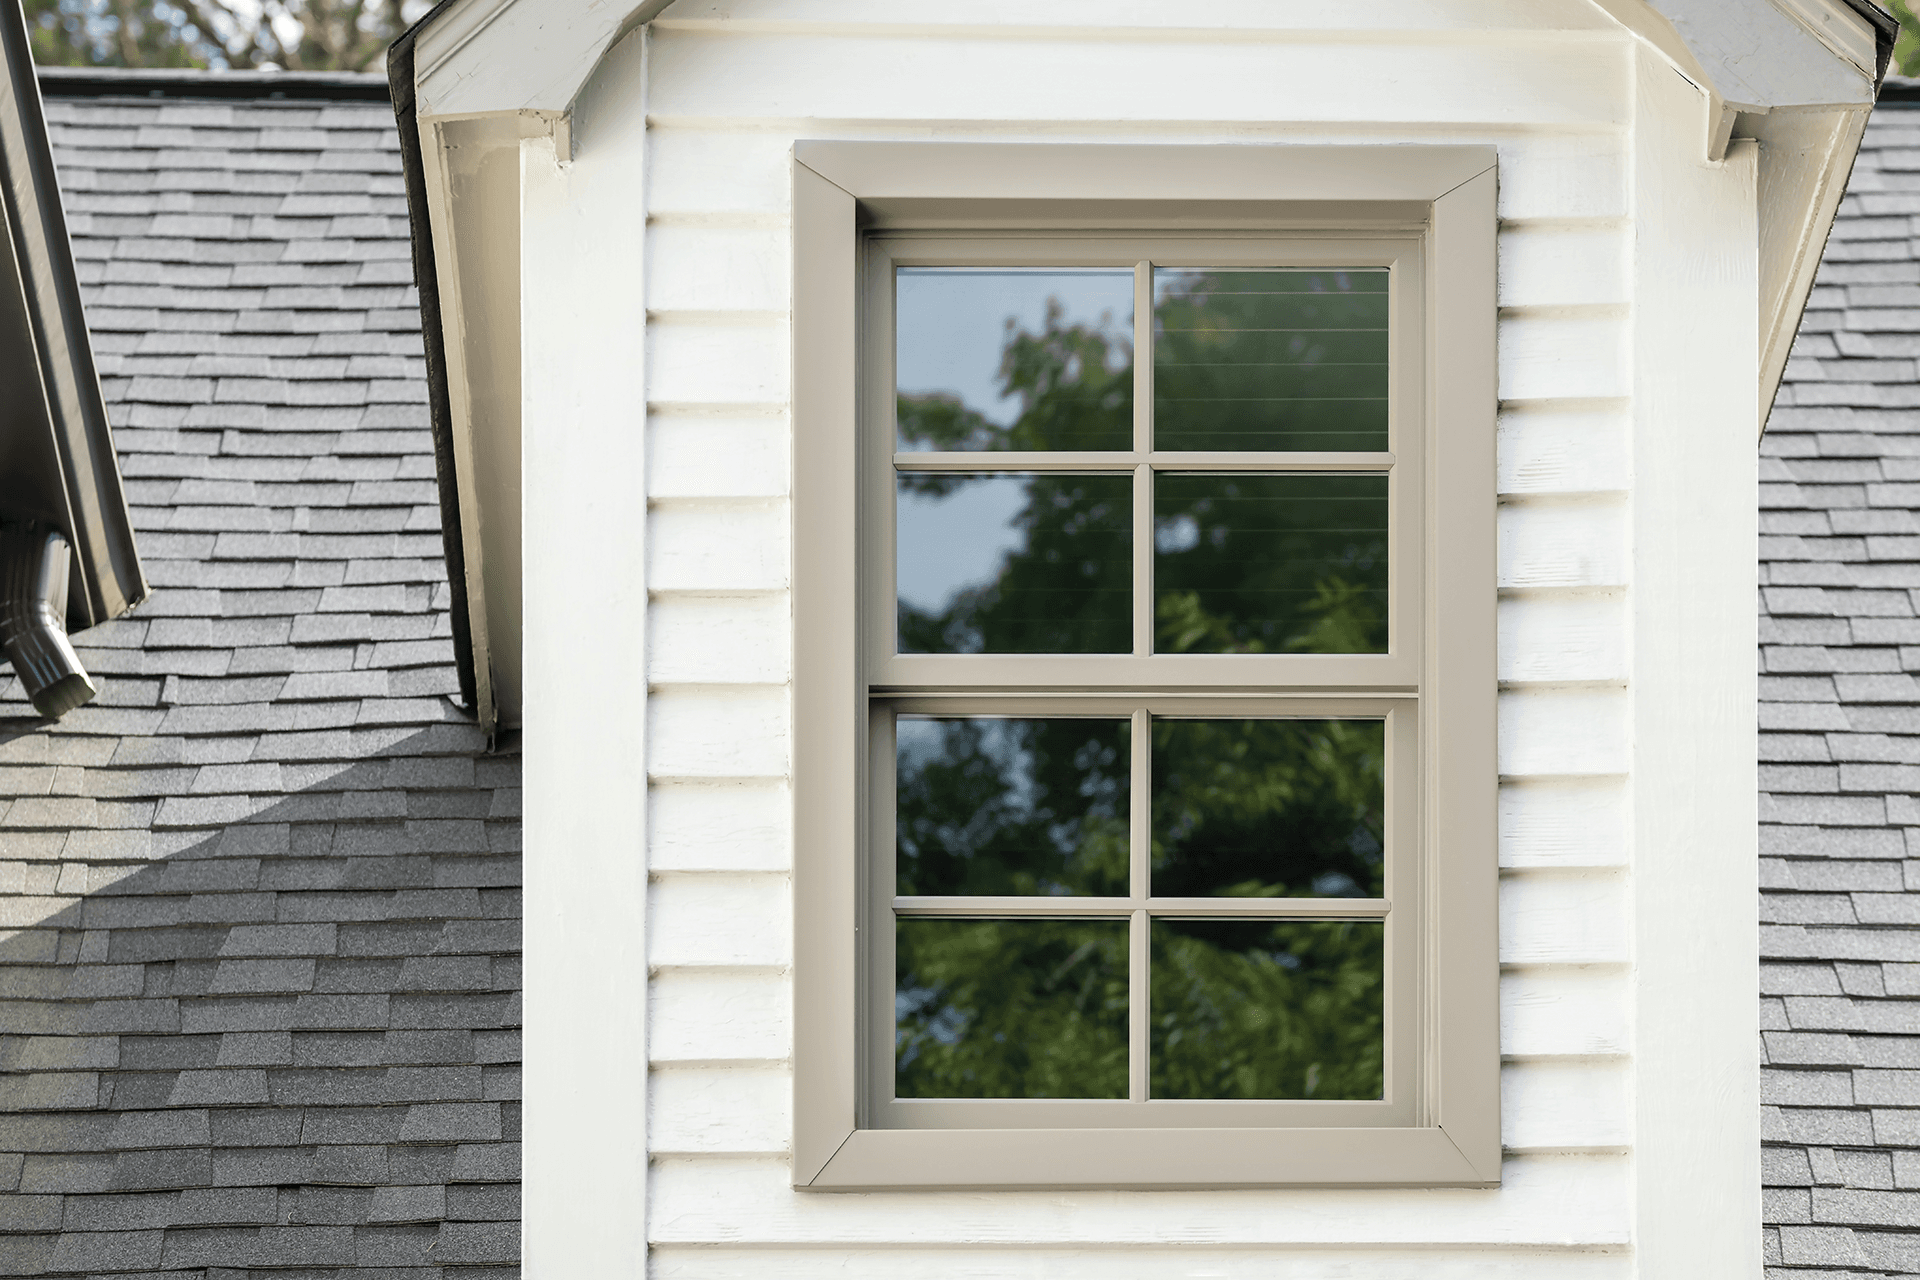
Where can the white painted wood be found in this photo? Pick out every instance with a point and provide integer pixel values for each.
(702, 78)
(1178, 1261)
(717, 358)
(1473, 19)
(1564, 1012)
(1542, 1200)
(717, 268)
(695, 826)
(585, 737)
(1563, 265)
(1563, 822)
(1549, 446)
(699, 1017)
(1545, 543)
(708, 548)
(1695, 868)
(723, 640)
(717, 455)
(1564, 918)
(1566, 1106)
(1563, 731)
(1559, 354)
(720, 1110)
(509, 56)
(732, 920)
(718, 732)
(1557, 637)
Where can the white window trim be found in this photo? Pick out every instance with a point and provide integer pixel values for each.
(1448, 193)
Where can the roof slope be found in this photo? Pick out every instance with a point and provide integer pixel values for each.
(1840, 747)
(259, 925)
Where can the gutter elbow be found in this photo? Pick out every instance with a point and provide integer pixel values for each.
(33, 604)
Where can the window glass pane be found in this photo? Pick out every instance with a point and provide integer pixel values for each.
(1020, 563)
(1010, 1008)
(1270, 563)
(987, 806)
(1267, 1009)
(1013, 358)
(1281, 359)
(1268, 808)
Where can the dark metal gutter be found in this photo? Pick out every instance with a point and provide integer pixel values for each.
(58, 470)
(400, 81)
(119, 82)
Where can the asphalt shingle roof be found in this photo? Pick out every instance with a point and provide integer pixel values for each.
(259, 905)
(1840, 744)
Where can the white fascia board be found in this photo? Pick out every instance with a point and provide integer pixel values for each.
(530, 57)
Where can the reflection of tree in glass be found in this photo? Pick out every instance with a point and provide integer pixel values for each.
(1248, 563)
(1268, 808)
(1277, 360)
(990, 806)
(1010, 1009)
(1267, 1009)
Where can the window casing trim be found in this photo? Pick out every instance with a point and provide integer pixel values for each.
(841, 187)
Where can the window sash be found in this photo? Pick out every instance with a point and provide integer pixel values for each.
(1397, 670)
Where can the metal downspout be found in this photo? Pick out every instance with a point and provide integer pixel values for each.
(33, 606)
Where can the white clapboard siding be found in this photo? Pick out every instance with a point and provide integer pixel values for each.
(718, 454)
(1578, 1105)
(1564, 1012)
(1563, 731)
(718, 268)
(715, 547)
(1555, 917)
(732, 84)
(735, 920)
(717, 732)
(746, 1110)
(1563, 637)
(1563, 264)
(697, 1016)
(1563, 352)
(707, 358)
(1542, 1200)
(1138, 1262)
(720, 826)
(1383, 20)
(1563, 822)
(1560, 446)
(798, 75)
(1549, 542)
(720, 640)
(722, 173)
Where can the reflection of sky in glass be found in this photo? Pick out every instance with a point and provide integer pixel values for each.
(951, 325)
(951, 542)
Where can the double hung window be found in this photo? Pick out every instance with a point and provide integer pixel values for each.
(1121, 854)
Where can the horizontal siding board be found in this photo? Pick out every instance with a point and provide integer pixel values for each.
(720, 1110)
(1563, 266)
(723, 360)
(1565, 1106)
(718, 733)
(710, 1016)
(714, 548)
(718, 268)
(1561, 447)
(1563, 822)
(1545, 732)
(1549, 543)
(1563, 355)
(717, 455)
(720, 920)
(1174, 1261)
(796, 76)
(726, 640)
(1564, 1012)
(1559, 638)
(1554, 918)
(720, 827)
(1543, 1199)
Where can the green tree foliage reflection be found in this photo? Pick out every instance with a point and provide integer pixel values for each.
(1010, 1009)
(287, 35)
(1037, 1008)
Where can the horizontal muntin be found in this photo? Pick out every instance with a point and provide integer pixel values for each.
(1050, 907)
(1159, 460)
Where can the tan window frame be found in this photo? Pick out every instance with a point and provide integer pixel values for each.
(1428, 214)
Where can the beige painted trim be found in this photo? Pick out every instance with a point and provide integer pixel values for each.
(1456, 1139)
